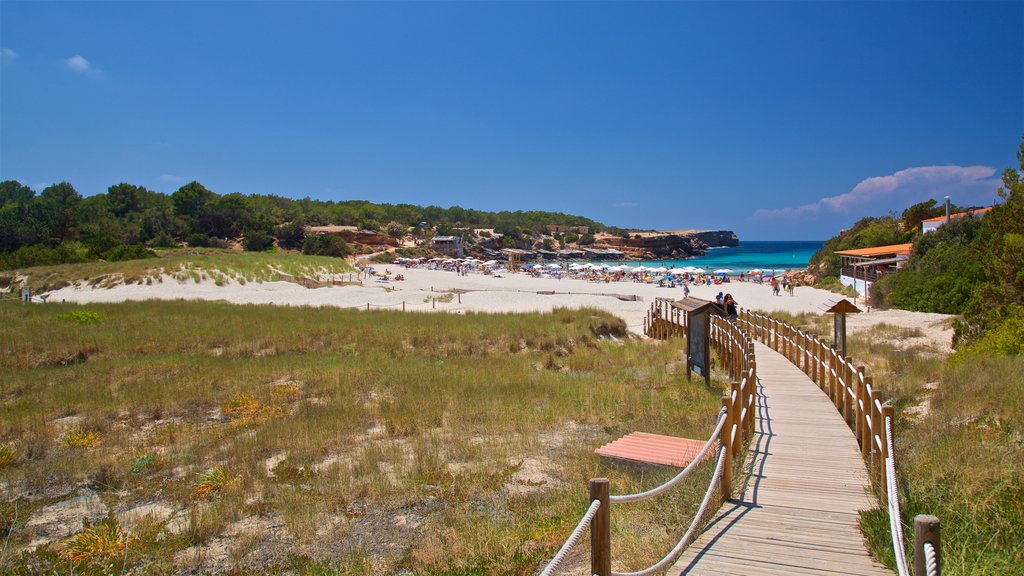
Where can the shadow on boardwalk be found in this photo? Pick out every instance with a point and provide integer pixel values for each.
(796, 511)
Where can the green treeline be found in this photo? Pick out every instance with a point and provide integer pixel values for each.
(59, 225)
(973, 266)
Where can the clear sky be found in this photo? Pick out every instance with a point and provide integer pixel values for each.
(776, 120)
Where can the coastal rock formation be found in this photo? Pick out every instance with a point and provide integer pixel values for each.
(717, 238)
(656, 246)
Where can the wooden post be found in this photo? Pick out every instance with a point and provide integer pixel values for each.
(845, 392)
(367, 305)
(403, 305)
(737, 409)
(822, 366)
(600, 530)
(860, 403)
(726, 483)
(926, 529)
(831, 379)
(867, 443)
(887, 412)
(878, 423)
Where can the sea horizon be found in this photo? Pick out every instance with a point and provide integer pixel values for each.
(767, 255)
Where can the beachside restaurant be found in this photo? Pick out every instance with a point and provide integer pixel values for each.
(861, 267)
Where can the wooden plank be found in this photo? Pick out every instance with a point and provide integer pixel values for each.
(654, 449)
(797, 511)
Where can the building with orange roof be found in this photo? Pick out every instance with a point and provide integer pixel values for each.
(861, 267)
(933, 224)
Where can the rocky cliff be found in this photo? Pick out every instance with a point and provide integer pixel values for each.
(716, 238)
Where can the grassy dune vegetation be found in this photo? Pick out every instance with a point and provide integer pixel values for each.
(268, 439)
(197, 264)
(959, 446)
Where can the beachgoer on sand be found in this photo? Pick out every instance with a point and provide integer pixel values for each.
(686, 290)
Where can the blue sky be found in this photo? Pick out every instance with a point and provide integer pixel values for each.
(776, 120)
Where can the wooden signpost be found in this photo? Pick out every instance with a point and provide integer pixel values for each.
(698, 334)
(839, 307)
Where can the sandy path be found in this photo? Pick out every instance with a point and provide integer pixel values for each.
(507, 293)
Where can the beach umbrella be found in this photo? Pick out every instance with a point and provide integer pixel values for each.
(554, 266)
(641, 268)
(677, 271)
(723, 271)
(659, 270)
(755, 271)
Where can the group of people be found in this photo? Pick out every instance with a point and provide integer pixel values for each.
(782, 285)
(728, 305)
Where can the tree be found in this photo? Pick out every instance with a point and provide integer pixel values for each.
(59, 206)
(14, 192)
(125, 198)
(292, 234)
(326, 245)
(190, 199)
(396, 230)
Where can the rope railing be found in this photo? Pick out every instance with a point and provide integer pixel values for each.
(855, 397)
(674, 553)
(657, 490)
(573, 539)
(735, 423)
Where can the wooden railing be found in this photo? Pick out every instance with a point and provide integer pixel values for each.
(734, 426)
(860, 402)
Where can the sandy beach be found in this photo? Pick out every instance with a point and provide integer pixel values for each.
(517, 292)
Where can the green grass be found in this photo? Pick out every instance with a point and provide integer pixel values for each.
(195, 264)
(443, 444)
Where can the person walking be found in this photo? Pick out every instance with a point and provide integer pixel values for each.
(686, 290)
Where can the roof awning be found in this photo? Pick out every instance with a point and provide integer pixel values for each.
(895, 260)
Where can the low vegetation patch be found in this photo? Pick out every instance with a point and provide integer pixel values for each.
(266, 439)
(185, 265)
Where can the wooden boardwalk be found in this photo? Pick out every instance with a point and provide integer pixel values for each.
(797, 510)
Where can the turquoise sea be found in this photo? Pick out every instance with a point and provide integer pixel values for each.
(778, 256)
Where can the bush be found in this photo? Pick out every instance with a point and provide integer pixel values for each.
(326, 245)
(135, 252)
(40, 255)
(257, 241)
(198, 240)
(291, 235)
(163, 240)
(586, 239)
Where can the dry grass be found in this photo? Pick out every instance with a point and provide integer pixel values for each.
(323, 441)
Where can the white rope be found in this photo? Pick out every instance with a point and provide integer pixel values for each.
(574, 538)
(681, 545)
(931, 560)
(678, 477)
(895, 517)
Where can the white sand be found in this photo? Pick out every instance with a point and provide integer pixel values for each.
(509, 293)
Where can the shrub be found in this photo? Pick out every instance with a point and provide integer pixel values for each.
(203, 241)
(6, 456)
(134, 252)
(212, 482)
(79, 439)
(326, 245)
(257, 241)
(102, 542)
(82, 317)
